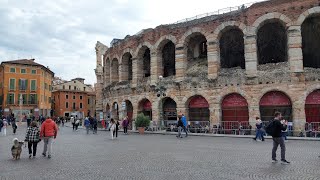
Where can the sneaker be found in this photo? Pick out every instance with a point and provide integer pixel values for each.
(285, 162)
(44, 154)
(29, 156)
(49, 156)
(274, 160)
(254, 139)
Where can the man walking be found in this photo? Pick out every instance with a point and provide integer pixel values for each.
(185, 124)
(277, 127)
(48, 132)
(180, 126)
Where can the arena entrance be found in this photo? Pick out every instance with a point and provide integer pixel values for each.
(199, 113)
(129, 112)
(312, 107)
(169, 111)
(275, 101)
(145, 107)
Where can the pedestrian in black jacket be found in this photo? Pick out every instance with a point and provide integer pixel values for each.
(180, 126)
(278, 139)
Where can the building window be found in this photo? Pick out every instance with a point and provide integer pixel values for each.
(33, 98)
(74, 81)
(23, 71)
(74, 105)
(12, 84)
(80, 97)
(33, 71)
(45, 86)
(49, 100)
(74, 97)
(24, 98)
(50, 88)
(33, 85)
(80, 105)
(67, 96)
(10, 99)
(75, 88)
(69, 87)
(88, 101)
(63, 87)
(23, 84)
(13, 70)
(67, 105)
(84, 88)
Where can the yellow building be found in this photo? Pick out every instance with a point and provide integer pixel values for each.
(25, 87)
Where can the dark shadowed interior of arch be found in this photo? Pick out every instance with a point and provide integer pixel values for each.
(115, 70)
(311, 42)
(170, 110)
(106, 69)
(146, 63)
(127, 66)
(272, 43)
(197, 55)
(168, 58)
(232, 49)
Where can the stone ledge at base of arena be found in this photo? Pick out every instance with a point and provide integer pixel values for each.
(163, 132)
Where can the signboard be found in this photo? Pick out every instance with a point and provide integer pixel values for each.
(6, 109)
(234, 100)
(275, 98)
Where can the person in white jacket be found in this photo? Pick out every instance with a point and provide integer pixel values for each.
(112, 128)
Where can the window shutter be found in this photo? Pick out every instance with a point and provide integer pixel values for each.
(20, 84)
(36, 99)
(8, 98)
(26, 84)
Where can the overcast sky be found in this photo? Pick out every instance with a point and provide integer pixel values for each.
(62, 34)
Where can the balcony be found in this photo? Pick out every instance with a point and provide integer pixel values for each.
(25, 103)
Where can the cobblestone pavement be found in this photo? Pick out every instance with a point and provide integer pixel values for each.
(77, 155)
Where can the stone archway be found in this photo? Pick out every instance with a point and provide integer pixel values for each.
(312, 107)
(145, 107)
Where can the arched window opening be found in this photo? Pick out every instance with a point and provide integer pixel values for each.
(272, 43)
(115, 70)
(310, 30)
(145, 107)
(168, 58)
(146, 63)
(127, 67)
(232, 49)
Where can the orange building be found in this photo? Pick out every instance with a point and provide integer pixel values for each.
(25, 87)
(73, 98)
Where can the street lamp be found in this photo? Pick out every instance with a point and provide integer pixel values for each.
(161, 89)
(20, 106)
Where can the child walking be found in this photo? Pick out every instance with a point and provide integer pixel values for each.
(33, 137)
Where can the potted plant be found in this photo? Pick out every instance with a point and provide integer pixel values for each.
(142, 122)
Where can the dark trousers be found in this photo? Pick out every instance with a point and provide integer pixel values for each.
(14, 129)
(185, 130)
(73, 126)
(125, 129)
(77, 126)
(276, 142)
(115, 133)
(34, 148)
(28, 122)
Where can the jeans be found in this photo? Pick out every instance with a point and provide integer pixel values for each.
(34, 148)
(87, 128)
(259, 134)
(276, 142)
(185, 130)
(179, 131)
(73, 126)
(112, 133)
(115, 132)
(47, 141)
(125, 130)
(284, 135)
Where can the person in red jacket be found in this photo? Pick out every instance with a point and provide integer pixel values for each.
(48, 132)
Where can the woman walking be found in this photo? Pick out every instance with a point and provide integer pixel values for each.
(33, 137)
(112, 128)
(14, 125)
(125, 123)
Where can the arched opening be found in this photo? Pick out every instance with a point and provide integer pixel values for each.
(145, 107)
(197, 59)
(108, 112)
(272, 43)
(199, 113)
(169, 111)
(232, 49)
(115, 111)
(310, 30)
(115, 70)
(106, 70)
(312, 107)
(275, 101)
(168, 59)
(129, 112)
(127, 67)
(235, 108)
(144, 60)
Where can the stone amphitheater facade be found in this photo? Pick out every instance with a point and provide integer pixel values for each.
(262, 55)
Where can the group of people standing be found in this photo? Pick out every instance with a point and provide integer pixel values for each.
(5, 122)
(91, 123)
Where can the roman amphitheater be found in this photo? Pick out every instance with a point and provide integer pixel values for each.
(222, 67)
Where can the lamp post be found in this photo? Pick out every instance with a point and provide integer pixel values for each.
(160, 89)
(20, 106)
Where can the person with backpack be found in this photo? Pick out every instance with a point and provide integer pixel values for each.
(259, 131)
(180, 126)
(274, 129)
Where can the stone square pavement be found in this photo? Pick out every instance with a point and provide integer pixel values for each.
(77, 155)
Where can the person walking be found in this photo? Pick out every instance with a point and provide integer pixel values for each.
(259, 132)
(48, 132)
(95, 126)
(185, 124)
(112, 128)
(77, 124)
(87, 124)
(73, 123)
(33, 138)
(284, 133)
(117, 128)
(14, 125)
(28, 117)
(180, 127)
(125, 124)
(4, 127)
(276, 127)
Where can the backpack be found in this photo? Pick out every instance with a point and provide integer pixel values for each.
(1, 123)
(270, 128)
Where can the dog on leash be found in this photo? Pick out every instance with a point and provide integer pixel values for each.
(16, 149)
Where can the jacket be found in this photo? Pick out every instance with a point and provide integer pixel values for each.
(180, 123)
(48, 129)
(86, 122)
(184, 121)
(278, 127)
(33, 134)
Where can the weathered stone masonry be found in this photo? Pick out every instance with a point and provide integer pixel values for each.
(270, 65)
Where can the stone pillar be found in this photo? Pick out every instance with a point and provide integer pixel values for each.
(181, 62)
(251, 58)
(215, 114)
(156, 110)
(299, 116)
(156, 67)
(135, 73)
(213, 59)
(295, 56)
(98, 57)
(106, 74)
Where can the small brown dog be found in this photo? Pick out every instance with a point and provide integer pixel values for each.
(16, 149)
